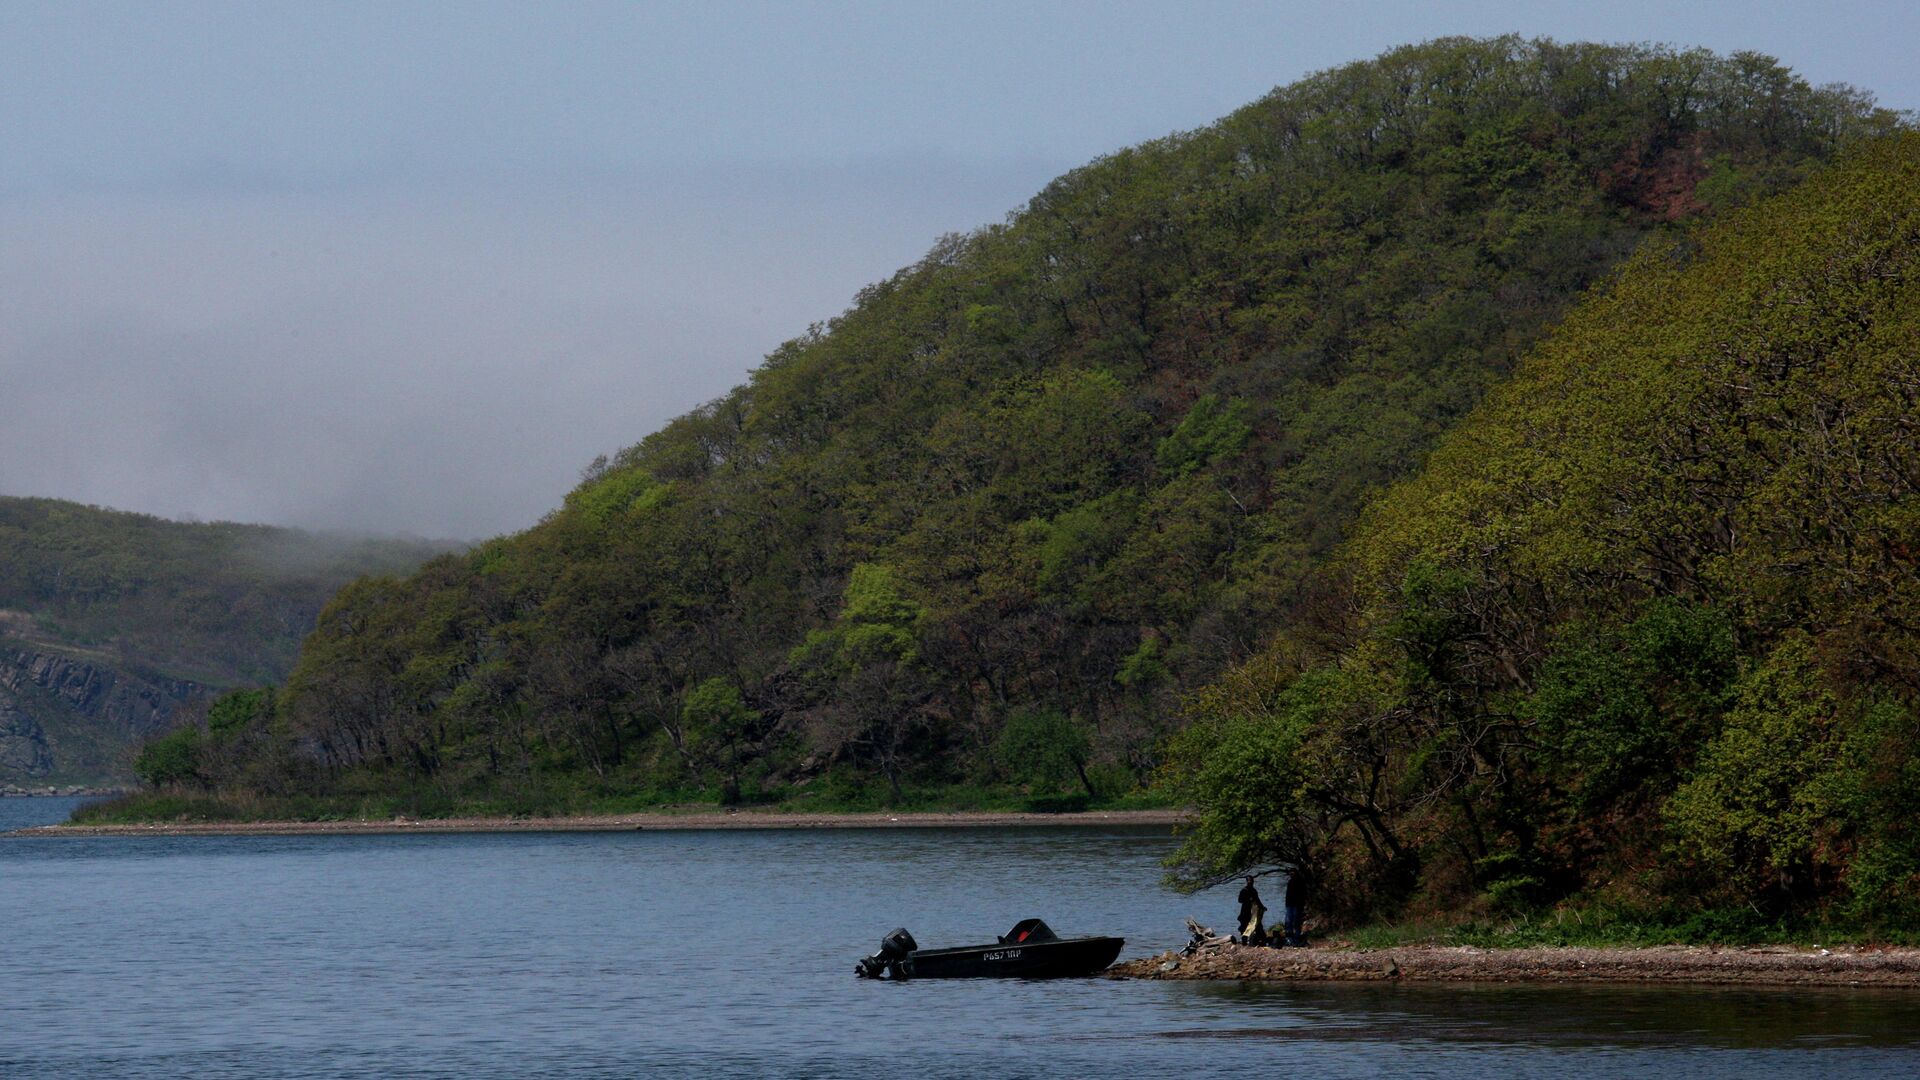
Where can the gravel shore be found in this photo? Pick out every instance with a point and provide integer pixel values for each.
(743, 819)
(1749, 966)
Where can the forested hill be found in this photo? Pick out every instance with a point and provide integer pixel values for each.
(992, 522)
(111, 623)
(1643, 635)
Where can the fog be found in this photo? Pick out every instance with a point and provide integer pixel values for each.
(406, 267)
(442, 368)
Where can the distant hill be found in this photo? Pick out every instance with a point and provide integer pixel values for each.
(996, 521)
(112, 624)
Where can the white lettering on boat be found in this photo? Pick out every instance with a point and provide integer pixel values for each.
(1004, 954)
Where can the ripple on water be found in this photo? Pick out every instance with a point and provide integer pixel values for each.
(730, 953)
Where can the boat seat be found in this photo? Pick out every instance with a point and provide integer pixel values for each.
(1027, 931)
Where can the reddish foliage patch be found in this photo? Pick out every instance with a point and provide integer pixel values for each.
(1659, 182)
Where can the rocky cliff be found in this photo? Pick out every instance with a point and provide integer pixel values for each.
(112, 625)
(23, 743)
(75, 719)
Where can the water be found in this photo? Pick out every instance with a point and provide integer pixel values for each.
(23, 812)
(731, 953)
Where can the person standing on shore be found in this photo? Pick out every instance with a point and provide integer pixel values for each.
(1252, 911)
(1294, 907)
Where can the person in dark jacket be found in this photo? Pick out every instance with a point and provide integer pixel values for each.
(1252, 912)
(1295, 903)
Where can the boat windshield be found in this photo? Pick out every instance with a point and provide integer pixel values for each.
(1028, 930)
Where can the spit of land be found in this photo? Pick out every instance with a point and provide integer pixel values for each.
(1769, 965)
(701, 819)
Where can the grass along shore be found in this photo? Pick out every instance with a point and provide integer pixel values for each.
(700, 817)
(182, 806)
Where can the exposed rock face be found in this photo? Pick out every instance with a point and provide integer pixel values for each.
(23, 745)
(135, 706)
(78, 717)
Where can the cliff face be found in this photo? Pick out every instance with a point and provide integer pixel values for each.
(95, 604)
(74, 719)
(23, 744)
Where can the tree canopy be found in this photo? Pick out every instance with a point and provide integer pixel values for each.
(1067, 469)
(1646, 625)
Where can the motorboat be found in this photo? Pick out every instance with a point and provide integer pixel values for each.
(1031, 950)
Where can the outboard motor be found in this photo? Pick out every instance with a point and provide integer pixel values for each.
(894, 958)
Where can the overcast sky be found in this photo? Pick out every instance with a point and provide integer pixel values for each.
(407, 267)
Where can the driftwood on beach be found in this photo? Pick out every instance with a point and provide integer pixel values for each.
(1203, 937)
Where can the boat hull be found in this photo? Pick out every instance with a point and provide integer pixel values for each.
(1057, 959)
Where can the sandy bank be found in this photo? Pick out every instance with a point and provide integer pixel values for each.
(1753, 966)
(743, 819)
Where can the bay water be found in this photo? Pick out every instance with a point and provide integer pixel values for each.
(730, 953)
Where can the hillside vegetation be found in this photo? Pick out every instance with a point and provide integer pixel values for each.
(990, 525)
(220, 603)
(1644, 632)
(112, 623)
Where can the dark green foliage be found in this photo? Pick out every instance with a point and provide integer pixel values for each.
(1879, 804)
(219, 604)
(1046, 751)
(171, 760)
(1070, 466)
(1620, 925)
(718, 728)
(231, 714)
(1764, 808)
(1619, 711)
(1645, 629)
(237, 744)
(148, 617)
(1209, 431)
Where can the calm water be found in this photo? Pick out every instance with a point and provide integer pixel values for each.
(731, 953)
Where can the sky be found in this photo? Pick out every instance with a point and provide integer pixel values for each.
(407, 268)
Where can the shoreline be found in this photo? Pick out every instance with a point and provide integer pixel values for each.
(1692, 965)
(653, 821)
(1775, 966)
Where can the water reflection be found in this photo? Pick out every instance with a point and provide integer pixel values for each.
(1570, 1016)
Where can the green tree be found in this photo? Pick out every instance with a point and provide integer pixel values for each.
(719, 728)
(1045, 750)
(172, 760)
(1763, 812)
